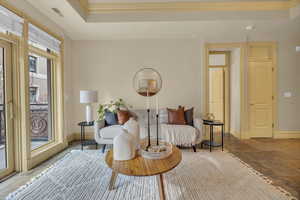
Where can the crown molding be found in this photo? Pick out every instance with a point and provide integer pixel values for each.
(84, 5)
(96, 8)
(294, 3)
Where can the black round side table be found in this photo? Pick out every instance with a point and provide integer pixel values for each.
(82, 134)
(210, 142)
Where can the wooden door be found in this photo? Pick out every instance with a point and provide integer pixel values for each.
(260, 90)
(216, 92)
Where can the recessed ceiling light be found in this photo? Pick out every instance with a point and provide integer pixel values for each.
(57, 11)
(250, 28)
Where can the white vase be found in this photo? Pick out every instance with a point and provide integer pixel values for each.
(133, 128)
(124, 146)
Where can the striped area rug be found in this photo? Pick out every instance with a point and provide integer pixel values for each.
(83, 175)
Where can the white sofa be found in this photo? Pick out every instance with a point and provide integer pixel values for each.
(180, 135)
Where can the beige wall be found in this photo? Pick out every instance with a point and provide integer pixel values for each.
(109, 67)
(289, 81)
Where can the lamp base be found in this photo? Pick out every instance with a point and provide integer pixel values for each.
(89, 113)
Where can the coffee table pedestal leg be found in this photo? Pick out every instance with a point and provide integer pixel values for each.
(160, 183)
(112, 180)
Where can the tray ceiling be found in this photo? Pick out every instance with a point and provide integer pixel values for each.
(164, 1)
(161, 24)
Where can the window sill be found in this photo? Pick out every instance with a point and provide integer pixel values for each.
(45, 152)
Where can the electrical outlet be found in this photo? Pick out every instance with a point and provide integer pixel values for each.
(287, 94)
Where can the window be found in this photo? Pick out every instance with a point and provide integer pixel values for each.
(32, 64)
(40, 100)
(33, 95)
(42, 83)
(10, 22)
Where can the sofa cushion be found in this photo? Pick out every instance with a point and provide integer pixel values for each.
(189, 116)
(179, 134)
(176, 116)
(110, 118)
(111, 131)
(163, 116)
(142, 117)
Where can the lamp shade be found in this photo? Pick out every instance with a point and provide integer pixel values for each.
(88, 96)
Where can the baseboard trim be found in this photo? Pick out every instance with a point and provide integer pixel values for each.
(76, 136)
(287, 135)
(277, 135)
(235, 134)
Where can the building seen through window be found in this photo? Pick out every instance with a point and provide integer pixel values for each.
(32, 64)
(33, 94)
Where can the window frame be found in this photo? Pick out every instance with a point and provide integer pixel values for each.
(25, 158)
(54, 104)
(51, 120)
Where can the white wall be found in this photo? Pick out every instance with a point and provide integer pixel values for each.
(235, 91)
(109, 67)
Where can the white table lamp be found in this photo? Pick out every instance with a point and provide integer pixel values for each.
(88, 97)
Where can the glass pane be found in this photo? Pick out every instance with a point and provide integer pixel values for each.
(3, 146)
(32, 64)
(217, 59)
(40, 100)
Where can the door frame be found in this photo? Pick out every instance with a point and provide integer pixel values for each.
(16, 46)
(244, 124)
(226, 90)
(8, 109)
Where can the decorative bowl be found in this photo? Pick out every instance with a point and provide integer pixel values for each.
(157, 152)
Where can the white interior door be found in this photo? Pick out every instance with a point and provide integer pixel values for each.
(6, 106)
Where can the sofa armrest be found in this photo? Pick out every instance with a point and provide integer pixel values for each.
(198, 124)
(97, 126)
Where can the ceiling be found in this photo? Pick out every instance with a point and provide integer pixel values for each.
(139, 1)
(80, 25)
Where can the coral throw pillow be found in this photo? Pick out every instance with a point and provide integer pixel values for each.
(123, 116)
(176, 116)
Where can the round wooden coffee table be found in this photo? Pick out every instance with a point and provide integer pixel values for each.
(140, 166)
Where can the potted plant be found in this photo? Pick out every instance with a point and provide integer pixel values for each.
(112, 106)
